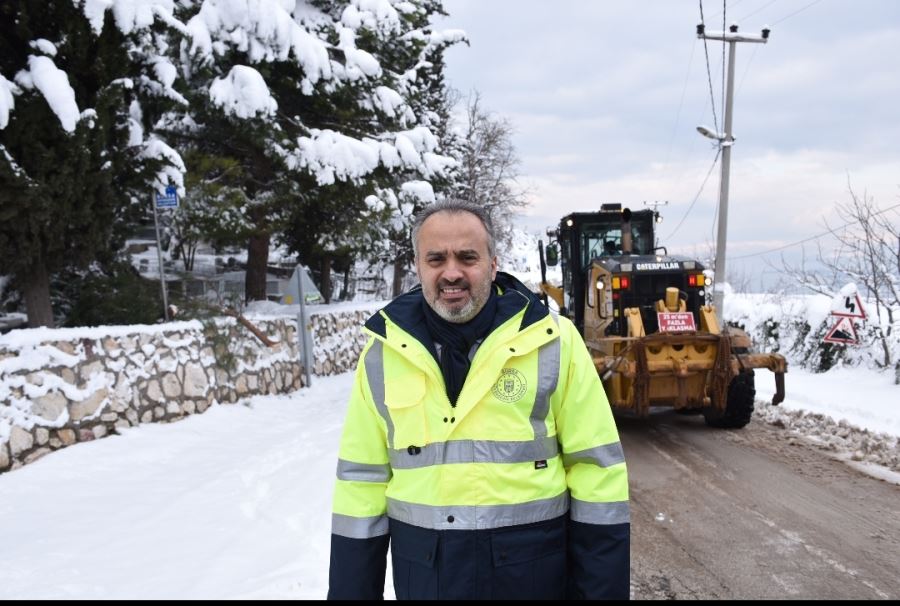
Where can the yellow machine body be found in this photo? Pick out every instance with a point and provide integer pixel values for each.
(623, 305)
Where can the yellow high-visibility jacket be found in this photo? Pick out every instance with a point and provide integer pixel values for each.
(530, 439)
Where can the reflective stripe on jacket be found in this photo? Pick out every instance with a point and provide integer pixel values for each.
(531, 439)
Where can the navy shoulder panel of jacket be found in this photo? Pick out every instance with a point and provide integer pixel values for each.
(357, 568)
(599, 561)
(510, 304)
(406, 310)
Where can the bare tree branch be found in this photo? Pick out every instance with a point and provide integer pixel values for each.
(489, 166)
(864, 252)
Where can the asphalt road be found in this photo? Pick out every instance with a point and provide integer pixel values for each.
(753, 514)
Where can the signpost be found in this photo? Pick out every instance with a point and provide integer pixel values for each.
(845, 307)
(302, 329)
(169, 200)
(848, 306)
(292, 289)
(843, 332)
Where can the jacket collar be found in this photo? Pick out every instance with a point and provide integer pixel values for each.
(406, 310)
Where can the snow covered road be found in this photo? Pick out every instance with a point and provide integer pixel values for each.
(235, 503)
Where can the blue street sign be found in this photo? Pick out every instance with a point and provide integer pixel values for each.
(170, 200)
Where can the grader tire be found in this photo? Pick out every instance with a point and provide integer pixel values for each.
(739, 407)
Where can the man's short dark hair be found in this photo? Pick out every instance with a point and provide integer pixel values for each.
(453, 205)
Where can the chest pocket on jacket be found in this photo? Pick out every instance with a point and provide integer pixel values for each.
(404, 397)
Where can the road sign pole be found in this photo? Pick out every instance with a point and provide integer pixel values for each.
(305, 340)
(162, 273)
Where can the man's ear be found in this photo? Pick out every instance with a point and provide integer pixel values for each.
(494, 266)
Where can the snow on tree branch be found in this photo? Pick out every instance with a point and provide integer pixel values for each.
(7, 100)
(130, 15)
(421, 190)
(263, 29)
(377, 15)
(243, 93)
(53, 84)
(173, 172)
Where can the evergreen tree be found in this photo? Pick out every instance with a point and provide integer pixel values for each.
(414, 63)
(307, 109)
(301, 100)
(74, 163)
(321, 231)
(212, 208)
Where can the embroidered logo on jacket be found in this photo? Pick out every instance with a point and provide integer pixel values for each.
(511, 385)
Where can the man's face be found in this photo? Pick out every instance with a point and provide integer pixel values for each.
(454, 265)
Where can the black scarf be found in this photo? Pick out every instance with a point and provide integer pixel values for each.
(456, 340)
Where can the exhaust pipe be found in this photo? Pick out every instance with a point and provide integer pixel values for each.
(626, 232)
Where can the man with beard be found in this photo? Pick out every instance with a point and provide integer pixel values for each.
(478, 441)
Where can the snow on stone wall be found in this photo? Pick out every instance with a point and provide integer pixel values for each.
(337, 341)
(60, 387)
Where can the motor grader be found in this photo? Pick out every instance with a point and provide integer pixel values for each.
(648, 322)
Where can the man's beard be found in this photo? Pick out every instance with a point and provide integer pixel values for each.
(477, 299)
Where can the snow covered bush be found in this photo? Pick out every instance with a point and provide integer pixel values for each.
(795, 326)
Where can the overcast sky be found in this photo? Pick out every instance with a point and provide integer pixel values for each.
(605, 98)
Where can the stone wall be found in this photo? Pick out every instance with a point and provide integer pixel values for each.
(55, 392)
(338, 340)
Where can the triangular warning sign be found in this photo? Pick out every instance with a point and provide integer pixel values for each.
(848, 307)
(842, 332)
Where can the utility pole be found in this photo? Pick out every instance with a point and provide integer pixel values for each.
(726, 140)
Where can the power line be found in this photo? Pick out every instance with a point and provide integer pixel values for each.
(680, 103)
(747, 69)
(796, 12)
(733, 4)
(715, 221)
(770, 3)
(700, 191)
(767, 4)
(712, 96)
(724, 15)
(825, 233)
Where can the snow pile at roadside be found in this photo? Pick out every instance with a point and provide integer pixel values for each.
(839, 437)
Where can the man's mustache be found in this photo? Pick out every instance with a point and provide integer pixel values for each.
(455, 284)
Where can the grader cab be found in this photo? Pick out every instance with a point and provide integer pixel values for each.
(647, 320)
